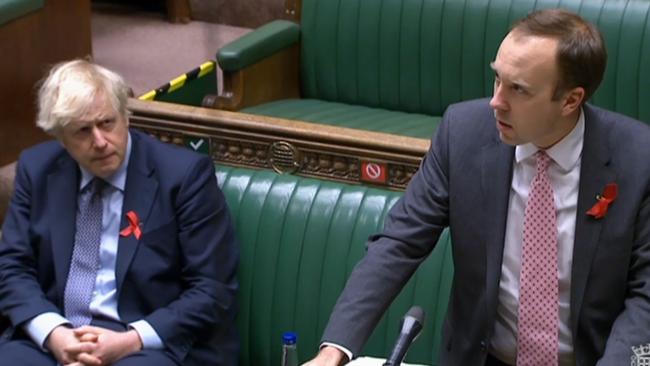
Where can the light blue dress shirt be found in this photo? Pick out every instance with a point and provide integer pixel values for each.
(103, 301)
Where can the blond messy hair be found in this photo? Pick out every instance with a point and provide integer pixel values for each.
(70, 88)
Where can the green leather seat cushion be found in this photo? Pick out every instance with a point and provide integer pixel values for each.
(299, 240)
(352, 116)
(12, 9)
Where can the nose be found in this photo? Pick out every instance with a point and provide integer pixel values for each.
(98, 138)
(498, 102)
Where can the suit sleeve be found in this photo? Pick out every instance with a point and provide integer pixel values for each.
(21, 296)
(630, 329)
(410, 233)
(209, 263)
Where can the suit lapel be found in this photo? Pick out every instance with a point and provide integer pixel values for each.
(595, 173)
(139, 194)
(62, 188)
(496, 176)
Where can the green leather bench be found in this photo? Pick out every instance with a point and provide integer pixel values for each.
(300, 238)
(394, 66)
(13, 9)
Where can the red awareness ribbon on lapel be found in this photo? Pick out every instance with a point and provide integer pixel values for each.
(134, 226)
(599, 209)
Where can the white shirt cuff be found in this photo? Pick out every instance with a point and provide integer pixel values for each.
(40, 327)
(148, 335)
(340, 348)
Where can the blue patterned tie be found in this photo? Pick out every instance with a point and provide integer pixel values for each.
(85, 255)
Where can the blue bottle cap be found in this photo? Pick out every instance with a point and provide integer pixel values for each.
(289, 338)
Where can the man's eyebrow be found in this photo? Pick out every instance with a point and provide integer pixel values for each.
(519, 82)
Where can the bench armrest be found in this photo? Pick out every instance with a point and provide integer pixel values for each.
(258, 44)
(260, 67)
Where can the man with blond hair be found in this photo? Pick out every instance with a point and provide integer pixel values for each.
(117, 249)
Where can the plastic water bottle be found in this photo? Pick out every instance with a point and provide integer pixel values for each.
(289, 350)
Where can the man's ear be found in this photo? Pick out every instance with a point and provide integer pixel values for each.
(573, 100)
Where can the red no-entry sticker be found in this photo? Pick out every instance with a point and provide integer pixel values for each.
(373, 172)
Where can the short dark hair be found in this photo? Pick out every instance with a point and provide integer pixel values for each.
(581, 53)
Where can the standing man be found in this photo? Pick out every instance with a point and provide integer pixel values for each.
(548, 202)
(117, 249)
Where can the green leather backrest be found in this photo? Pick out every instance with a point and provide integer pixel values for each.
(422, 55)
(14, 9)
(300, 238)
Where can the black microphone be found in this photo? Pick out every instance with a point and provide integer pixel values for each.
(411, 326)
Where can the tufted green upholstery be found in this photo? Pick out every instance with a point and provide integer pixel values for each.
(348, 115)
(300, 238)
(419, 56)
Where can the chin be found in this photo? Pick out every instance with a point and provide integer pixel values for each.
(506, 140)
(104, 171)
(107, 167)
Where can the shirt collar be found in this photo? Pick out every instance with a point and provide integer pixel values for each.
(565, 153)
(118, 179)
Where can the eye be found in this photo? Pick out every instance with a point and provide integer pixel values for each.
(106, 124)
(519, 89)
(83, 131)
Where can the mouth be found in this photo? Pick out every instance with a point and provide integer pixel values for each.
(103, 158)
(503, 126)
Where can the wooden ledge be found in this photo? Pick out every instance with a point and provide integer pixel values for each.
(287, 146)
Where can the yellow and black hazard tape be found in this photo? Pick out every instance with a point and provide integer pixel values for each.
(178, 82)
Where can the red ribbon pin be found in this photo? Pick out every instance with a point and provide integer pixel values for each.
(134, 226)
(599, 209)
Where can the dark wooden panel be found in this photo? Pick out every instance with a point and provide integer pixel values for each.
(178, 11)
(240, 13)
(29, 45)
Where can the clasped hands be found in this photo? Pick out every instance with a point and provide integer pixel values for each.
(91, 346)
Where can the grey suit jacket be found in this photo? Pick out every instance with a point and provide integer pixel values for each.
(464, 183)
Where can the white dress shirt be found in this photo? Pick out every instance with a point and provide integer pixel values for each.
(103, 301)
(564, 174)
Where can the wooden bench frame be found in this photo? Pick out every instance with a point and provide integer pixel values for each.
(306, 149)
(272, 78)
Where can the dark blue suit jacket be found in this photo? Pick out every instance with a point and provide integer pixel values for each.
(180, 275)
(464, 183)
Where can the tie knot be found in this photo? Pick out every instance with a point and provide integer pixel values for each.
(543, 160)
(96, 187)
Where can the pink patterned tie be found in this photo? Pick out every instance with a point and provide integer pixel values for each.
(538, 288)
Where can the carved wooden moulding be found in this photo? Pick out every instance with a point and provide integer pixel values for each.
(288, 147)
